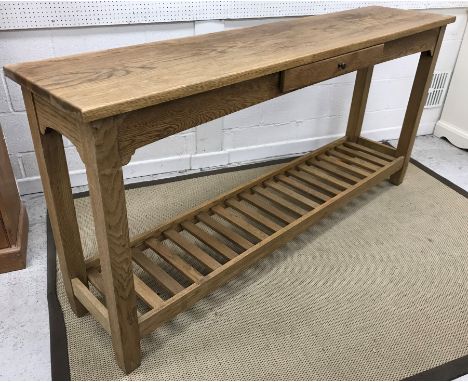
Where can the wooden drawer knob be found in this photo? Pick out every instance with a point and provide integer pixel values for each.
(342, 65)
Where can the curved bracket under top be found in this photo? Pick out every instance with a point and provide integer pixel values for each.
(50, 117)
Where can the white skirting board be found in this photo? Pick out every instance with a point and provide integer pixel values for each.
(453, 123)
(457, 136)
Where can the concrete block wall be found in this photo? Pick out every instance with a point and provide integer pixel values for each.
(286, 126)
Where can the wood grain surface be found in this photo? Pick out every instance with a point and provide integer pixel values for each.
(52, 163)
(108, 203)
(112, 102)
(418, 96)
(10, 203)
(115, 81)
(359, 103)
(310, 74)
(197, 289)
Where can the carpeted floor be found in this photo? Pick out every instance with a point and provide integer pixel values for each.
(378, 290)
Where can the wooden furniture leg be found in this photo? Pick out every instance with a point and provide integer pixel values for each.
(106, 188)
(422, 81)
(358, 103)
(13, 217)
(53, 168)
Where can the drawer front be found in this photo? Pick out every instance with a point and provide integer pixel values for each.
(301, 76)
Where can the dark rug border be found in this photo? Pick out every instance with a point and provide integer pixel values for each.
(59, 361)
(60, 366)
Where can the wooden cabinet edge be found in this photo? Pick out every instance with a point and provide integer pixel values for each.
(14, 258)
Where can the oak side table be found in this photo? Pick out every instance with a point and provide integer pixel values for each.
(110, 103)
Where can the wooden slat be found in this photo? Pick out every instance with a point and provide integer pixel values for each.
(291, 181)
(267, 206)
(354, 161)
(192, 249)
(278, 199)
(192, 294)
(91, 303)
(95, 278)
(209, 240)
(323, 175)
(93, 262)
(356, 171)
(149, 296)
(245, 209)
(162, 278)
(383, 148)
(225, 231)
(360, 154)
(240, 222)
(141, 289)
(335, 171)
(278, 186)
(368, 150)
(315, 181)
(186, 269)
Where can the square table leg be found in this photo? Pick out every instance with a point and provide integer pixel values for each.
(418, 96)
(53, 168)
(106, 188)
(358, 103)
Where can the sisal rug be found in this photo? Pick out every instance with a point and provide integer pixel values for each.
(377, 290)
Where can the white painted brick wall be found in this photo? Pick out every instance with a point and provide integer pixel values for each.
(16, 130)
(289, 125)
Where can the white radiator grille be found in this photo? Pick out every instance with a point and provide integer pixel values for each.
(437, 90)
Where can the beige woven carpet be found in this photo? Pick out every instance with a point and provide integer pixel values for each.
(378, 290)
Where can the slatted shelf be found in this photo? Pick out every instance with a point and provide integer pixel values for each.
(255, 215)
(163, 279)
(203, 248)
(233, 236)
(236, 219)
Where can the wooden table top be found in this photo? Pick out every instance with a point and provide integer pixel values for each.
(110, 82)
